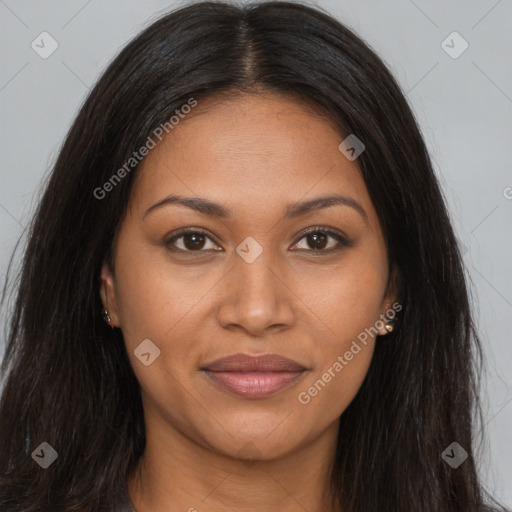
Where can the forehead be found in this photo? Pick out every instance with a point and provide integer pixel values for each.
(251, 152)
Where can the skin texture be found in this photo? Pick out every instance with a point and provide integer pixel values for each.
(255, 155)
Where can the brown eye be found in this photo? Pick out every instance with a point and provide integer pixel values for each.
(194, 241)
(190, 240)
(315, 240)
(318, 239)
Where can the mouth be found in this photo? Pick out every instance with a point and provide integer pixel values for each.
(254, 376)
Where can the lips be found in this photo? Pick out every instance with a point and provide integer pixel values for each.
(245, 363)
(254, 376)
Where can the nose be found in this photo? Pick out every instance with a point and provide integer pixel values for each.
(256, 298)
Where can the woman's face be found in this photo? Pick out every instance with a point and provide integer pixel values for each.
(251, 282)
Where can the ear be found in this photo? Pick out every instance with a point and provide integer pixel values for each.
(390, 304)
(108, 294)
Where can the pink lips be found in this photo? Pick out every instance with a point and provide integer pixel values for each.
(254, 376)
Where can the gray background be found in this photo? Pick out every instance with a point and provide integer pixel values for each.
(463, 105)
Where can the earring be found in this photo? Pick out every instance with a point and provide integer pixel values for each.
(390, 324)
(106, 317)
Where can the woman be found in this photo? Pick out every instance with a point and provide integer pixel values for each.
(242, 288)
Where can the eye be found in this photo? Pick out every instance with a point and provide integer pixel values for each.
(190, 240)
(317, 240)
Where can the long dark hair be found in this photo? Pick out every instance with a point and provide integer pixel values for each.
(68, 379)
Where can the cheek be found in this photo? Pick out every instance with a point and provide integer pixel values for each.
(329, 392)
(346, 299)
(154, 299)
(348, 304)
(344, 354)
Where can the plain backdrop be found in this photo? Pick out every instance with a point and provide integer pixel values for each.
(463, 102)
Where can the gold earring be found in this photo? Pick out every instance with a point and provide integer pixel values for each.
(390, 324)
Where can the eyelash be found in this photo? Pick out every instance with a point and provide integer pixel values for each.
(339, 237)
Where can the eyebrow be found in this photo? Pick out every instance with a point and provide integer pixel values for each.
(292, 211)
